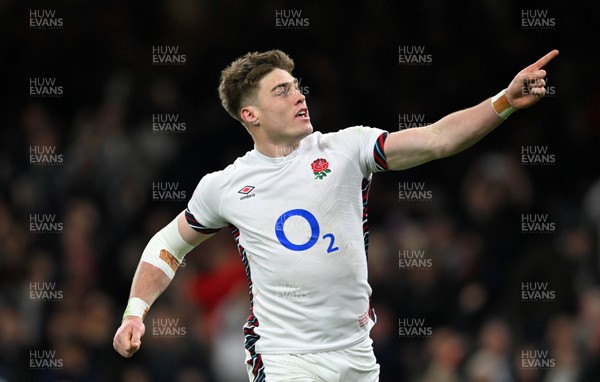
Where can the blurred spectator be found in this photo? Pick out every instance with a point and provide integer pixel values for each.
(562, 339)
(491, 361)
(588, 333)
(446, 350)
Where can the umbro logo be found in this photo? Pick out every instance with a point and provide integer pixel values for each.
(246, 191)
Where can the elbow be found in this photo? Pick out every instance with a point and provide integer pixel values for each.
(440, 146)
(443, 150)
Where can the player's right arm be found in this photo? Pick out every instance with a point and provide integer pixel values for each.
(154, 273)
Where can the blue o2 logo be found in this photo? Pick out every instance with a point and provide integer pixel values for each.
(315, 231)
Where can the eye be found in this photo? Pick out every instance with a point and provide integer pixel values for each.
(284, 90)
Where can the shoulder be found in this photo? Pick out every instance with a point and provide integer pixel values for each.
(352, 132)
(349, 136)
(220, 179)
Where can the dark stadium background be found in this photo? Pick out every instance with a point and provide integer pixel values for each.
(347, 57)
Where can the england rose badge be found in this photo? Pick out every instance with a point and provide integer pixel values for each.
(320, 168)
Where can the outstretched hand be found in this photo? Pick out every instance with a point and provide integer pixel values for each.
(528, 85)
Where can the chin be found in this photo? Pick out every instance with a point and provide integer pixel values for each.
(301, 131)
(308, 130)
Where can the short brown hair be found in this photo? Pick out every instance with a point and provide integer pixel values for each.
(239, 80)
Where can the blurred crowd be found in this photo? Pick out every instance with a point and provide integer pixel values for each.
(63, 291)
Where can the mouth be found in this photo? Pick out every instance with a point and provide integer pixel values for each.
(302, 114)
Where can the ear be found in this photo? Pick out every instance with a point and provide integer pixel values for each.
(249, 115)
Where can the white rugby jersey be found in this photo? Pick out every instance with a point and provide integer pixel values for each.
(300, 222)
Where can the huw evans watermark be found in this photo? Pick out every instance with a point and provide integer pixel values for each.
(281, 151)
(537, 292)
(549, 90)
(537, 155)
(537, 19)
(44, 360)
(45, 87)
(168, 192)
(537, 359)
(414, 55)
(44, 291)
(291, 290)
(167, 55)
(45, 19)
(411, 121)
(168, 123)
(413, 259)
(303, 89)
(291, 19)
(168, 327)
(44, 155)
(537, 223)
(44, 223)
(413, 328)
(413, 192)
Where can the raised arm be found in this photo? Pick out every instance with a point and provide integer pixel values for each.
(154, 273)
(459, 130)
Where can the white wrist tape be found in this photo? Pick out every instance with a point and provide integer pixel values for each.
(136, 307)
(501, 105)
(166, 249)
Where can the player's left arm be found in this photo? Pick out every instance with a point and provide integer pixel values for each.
(459, 130)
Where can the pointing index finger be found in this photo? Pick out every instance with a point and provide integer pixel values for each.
(545, 60)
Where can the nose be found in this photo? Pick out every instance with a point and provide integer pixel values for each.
(300, 98)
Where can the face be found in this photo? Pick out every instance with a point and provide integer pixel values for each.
(279, 110)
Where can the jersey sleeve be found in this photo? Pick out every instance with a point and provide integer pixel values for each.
(202, 213)
(366, 144)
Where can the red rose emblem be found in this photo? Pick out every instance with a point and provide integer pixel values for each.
(320, 165)
(320, 168)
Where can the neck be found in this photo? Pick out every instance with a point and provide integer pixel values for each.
(275, 150)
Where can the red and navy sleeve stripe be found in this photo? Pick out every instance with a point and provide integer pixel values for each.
(197, 226)
(379, 154)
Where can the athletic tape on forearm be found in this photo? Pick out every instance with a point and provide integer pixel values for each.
(136, 307)
(166, 249)
(501, 105)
